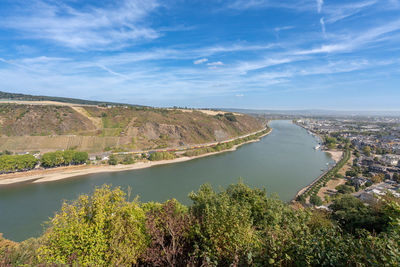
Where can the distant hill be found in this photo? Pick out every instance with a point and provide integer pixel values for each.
(24, 97)
(316, 112)
(95, 128)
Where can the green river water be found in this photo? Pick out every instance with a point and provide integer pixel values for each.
(283, 162)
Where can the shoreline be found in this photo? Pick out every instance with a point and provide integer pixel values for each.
(60, 173)
(334, 154)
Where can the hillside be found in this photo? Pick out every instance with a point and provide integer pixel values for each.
(24, 97)
(45, 127)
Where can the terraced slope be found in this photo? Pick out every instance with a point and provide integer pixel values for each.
(95, 129)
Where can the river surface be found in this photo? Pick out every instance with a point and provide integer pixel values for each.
(282, 162)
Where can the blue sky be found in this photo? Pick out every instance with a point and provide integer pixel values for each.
(261, 54)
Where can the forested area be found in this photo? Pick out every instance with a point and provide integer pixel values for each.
(239, 226)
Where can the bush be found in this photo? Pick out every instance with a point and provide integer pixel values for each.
(345, 189)
(168, 226)
(230, 117)
(112, 160)
(315, 200)
(104, 229)
(161, 156)
(238, 226)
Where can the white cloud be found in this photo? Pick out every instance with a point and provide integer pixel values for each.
(239, 95)
(284, 28)
(300, 5)
(321, 21)
(335, 13)
(111, 27)
(319, 5)
(214, 65)
(358, 40)
(217, 63)
(200, 61)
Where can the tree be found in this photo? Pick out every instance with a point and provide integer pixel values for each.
(104, 229)
(113, 160)
(128, 160)
(352, 173)
(345, 189)
(168, 227)
(161, 156)
(377, 178)
(396, 177)
(224, 229)
(315, 200)
(80, 157)
(68, 157)
(230, 117)
(367, 150)
(352, 214)
(301, 198)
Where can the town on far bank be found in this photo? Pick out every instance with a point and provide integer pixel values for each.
(369, 167)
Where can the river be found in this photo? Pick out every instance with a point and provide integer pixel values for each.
(282, 162)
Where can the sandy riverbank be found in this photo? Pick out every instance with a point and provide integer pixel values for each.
(47, 175)
(336, 155)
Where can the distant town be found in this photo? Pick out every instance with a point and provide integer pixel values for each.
(373, 169)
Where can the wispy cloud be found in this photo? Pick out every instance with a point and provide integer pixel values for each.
(200, 61)
(355, 40)
(319, 5)
(214, 65)
(92, 28)
(321, 21)
(217, 63)
(338, 12)
(251, 4)
(284, 28)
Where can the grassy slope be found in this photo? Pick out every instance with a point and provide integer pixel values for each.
(93, 129)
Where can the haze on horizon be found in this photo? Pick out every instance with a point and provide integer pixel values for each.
(257, 54)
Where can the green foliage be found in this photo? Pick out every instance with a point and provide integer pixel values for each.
(224, 227)
(161, 156)
(104, 230)
(330, 142)
(230, 117)
(396, 177)
(314, 188)
(128, 160)
(239, 226)
(367, 150)
(22, 254)
(12, 163)
(315, 200)
(63, 158)
(345, 189)
(301, 198)
(352, 214)
(113, 160)
(224, 146)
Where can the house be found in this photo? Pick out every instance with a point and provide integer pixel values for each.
(359, 181)
(391, 160)
(377, 168)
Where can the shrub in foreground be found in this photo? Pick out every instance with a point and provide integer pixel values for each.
(239, 226)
